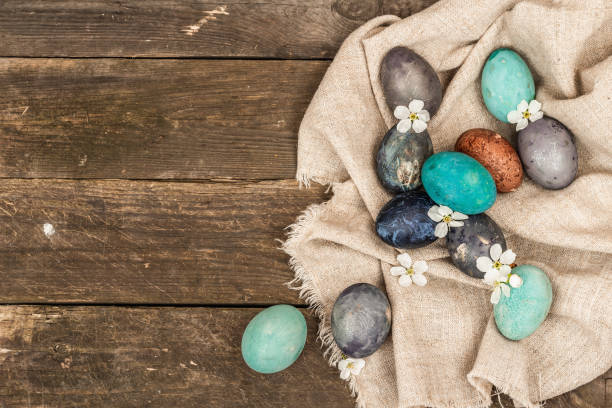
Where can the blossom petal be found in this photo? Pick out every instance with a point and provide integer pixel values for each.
(345, 374)
(495, 295)
(405, 281)
(514, 116)
(484, 264)
(398, 270)
(419, 126)
(507, 257)
(424, 115)
(505, 289)
(404, 125)
(515, 281)
(522, 124)
(523, 106)
(434, 213)
(405, 260)
(420, 267)
(343, 364)
(455, 224)
(459, 216)
(491, 276)
(401, 112)
(536, 116)
(419, 280)
(495, 251)
(534, 106)
(441, 230)
(504, 271)
(358, 365)
(416, 105)
(444, 210)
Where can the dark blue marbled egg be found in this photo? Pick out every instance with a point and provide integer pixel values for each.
(400, 158)
(403, 222)
(361, 320)
(473, 240)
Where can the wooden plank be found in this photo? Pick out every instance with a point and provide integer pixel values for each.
(153, 119)
(176, 28)
(147, 242)
(162, 357)
(149, 357)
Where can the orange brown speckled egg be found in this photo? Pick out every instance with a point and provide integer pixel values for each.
(495, 154)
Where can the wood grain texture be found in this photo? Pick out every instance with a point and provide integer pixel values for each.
(147, 242)
(174, 28)
(153, 119)
(149, 357)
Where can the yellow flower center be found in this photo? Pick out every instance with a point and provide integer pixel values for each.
(526, 114)
(447, 218)
(497, 265)
(414, 116)
(409, 271)
(349, 365)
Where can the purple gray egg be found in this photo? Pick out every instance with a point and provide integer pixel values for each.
(548, 153)
(405, 76)
(403, 222)
(361, 320)
(473, 240)
(400, 158)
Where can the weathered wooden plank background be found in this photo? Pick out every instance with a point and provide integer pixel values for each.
(158, 138)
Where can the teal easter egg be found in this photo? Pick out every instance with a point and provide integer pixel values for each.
(274, 339)
(506, 81)
(458, 181)
(520, 314)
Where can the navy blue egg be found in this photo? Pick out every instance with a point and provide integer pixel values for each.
(400, 158)
(403, 222)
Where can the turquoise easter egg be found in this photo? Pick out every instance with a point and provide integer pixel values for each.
(520, 314)
(274, 339)
(506, 81)
(458, 181)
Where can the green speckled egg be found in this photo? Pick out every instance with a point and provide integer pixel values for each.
(458, 181)
(274, 339)
(506, 81)
(520, 314)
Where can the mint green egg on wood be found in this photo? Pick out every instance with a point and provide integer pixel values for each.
(520, 314)
(274, 339)
(458, 181)
(506, 81)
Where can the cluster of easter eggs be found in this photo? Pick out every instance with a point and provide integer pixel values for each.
(468, 179)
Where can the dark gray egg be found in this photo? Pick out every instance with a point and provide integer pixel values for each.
(548, 153)
(361, 320)
(403, 222)
(473, 240)
(405, 76)
(400, 158)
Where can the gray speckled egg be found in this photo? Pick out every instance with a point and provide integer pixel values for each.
(465, 244)
(405, 76)
(400, 158)
(548, 153)
(361, 320)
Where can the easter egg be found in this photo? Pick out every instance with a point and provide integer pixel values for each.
(466, 244)
(520, 314)
(360, 320)
(506, 81)
(495, 154)
(400, 158)
(274, 339)
(403, 222)
(548, 152)
(458, 181)
(405, 75)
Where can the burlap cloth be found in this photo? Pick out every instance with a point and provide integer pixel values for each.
(444, 349)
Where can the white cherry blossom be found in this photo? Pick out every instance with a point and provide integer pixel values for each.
(410, 272)
(446, 218)
(350, 366)
(524, 113)
(498, 271)
(413, 116)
